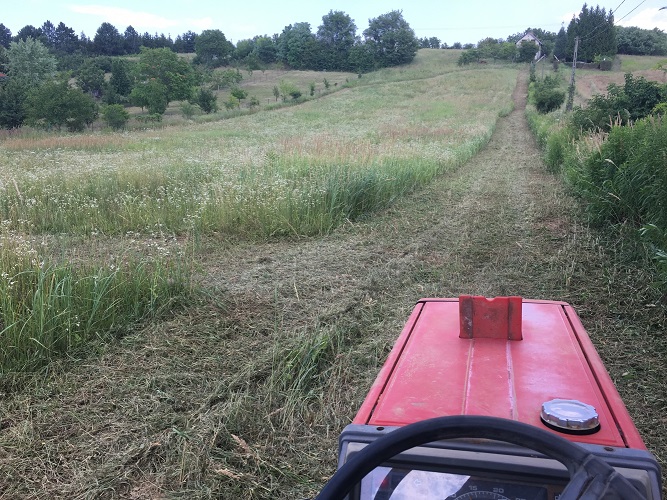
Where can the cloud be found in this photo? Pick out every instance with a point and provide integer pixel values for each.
(139, 20)
(647, 19)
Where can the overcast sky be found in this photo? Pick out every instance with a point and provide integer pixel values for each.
(451, 21)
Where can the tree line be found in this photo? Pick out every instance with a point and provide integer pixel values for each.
(37, 66)
(335, 45)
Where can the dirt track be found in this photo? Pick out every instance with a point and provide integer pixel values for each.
(113, 426)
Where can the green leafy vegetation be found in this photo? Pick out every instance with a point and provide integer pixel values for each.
(612, 152)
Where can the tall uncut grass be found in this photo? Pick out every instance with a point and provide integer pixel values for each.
(298, 170)
(49, 308)
(620, 174)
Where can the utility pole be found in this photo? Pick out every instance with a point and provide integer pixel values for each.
(570, 97)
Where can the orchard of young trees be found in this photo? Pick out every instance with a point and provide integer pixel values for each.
(40, 61)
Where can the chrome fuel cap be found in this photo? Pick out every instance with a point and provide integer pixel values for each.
(570, 416)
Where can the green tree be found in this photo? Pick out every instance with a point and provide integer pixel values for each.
(170, 70)
(391, 39)
(642, 42)
(12, 104)
(337, 34)
(108, 41)
(151, 94)
(226, 78)
(115, 116)
(207, 100)
(361, 58)
(213, 49)
(49, 34)
(243, 49)
(265, 49)
(560, 47)
(29, 31)
(288, 88)
(298, 47)
(596, 31)
(131, 41)
(90, 78)
(120, 80)
(66, 41)
(527, 51)
(30, 63)
(5, 36)
(185, 43)
(55, 104)
(239, 94)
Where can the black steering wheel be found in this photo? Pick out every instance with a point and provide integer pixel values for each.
(590, 477)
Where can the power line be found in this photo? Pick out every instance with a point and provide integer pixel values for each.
(640, 4)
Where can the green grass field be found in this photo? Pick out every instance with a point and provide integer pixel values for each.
(196, 310)
(292, 171)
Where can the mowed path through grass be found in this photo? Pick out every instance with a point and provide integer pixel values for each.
(243, 395)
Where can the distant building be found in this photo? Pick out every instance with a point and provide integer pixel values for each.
(530, 37)
(2, 76)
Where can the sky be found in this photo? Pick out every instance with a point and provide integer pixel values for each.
(450, 21)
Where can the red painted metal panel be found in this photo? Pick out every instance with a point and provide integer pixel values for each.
(432, 372)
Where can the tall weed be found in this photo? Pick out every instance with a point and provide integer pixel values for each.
(48, 309)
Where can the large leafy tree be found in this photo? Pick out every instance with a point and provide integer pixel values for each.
(169, 69)
(391, 39)
(337, 35)
(12, 100)
(108, 41)
(54, 104)
(29, 62)
(265, 49)
(213, 48)
(642, 42)
(90, 77)
(298, 47)
(151, 94)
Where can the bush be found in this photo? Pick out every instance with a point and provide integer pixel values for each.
(467, 57)
(549, 100)
(547, 96)
(115, 116)
(207, 100)
(188, 110)
(603, 111)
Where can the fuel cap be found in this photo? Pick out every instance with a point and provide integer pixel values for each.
(570, 416)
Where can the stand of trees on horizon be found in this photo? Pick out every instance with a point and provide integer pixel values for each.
(37, 64)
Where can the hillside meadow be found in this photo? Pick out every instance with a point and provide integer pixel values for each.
(196, 310)
(81, 215)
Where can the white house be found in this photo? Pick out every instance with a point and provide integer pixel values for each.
(530, 37)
